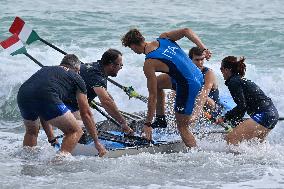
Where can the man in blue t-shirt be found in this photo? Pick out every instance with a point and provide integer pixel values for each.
(42, 96)
(165, 55)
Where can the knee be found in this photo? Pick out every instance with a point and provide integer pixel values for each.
(79, 131)
(231, 138)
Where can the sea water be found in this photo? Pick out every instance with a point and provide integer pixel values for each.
(254, 29)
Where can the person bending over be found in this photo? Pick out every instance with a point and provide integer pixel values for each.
(95, 76)
(165, 55)
(250, 99)
(42, 96)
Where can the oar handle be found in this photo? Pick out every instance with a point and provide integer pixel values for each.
(281, 118)
(115, 83)
(129, 91)
(52, 46)
(93, 105)
(226, 126)
(33, 59)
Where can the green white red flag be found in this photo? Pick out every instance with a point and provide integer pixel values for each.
(13, 45)
(25, 33)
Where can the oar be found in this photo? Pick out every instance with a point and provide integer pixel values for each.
(29, 36)
(14, 46)
(94, 106)
(226, 126)
(125, 114)
(280, 118)
(129, 91)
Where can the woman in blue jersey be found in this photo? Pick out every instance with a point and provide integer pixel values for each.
(165, 55)
(250, 99)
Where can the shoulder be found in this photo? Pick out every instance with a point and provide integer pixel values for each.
(234, 81)
(209, 73)
(149, 67)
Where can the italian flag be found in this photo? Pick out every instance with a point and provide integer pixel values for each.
(25, 33)
(13, 45)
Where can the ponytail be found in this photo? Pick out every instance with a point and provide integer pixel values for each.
(236, 66)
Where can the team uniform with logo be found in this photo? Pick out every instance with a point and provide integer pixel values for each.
(187, 75)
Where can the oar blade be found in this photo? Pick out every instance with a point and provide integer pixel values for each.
(13, 45)
(25, 33)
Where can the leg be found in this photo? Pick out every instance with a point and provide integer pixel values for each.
(163, 82)
(32, 129)
(72, 131)
(183, 122)
(246, 130)
(77, 115)
(47, 129)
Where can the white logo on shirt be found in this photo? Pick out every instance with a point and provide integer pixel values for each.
(170, 51)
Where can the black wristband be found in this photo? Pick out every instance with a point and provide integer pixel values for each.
(52, 141)
(149, 124)
(204, 50)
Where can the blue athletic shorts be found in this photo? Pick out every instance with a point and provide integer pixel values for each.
(185, 96)
(267, 118)
(47, 111)
(174, 84)
(72, 108)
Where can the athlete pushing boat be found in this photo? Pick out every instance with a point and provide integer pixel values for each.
(42, 96)
(164, 55)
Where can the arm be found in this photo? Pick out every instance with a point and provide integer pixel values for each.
(111, 108)
(87, 118)
(209, 80)
(186, 32)
(149, 72)
(202, 96)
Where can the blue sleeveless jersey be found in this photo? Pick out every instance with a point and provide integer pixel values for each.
(180, 65)
(187, 75)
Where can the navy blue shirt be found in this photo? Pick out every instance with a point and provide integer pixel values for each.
(52, 84)
(248, 97)
(93, 76)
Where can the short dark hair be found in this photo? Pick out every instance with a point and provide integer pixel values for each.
(71, 61)
(110, 56)
(195, 51)
(133, 36)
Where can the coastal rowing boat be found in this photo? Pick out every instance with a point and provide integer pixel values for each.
(118, 144)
